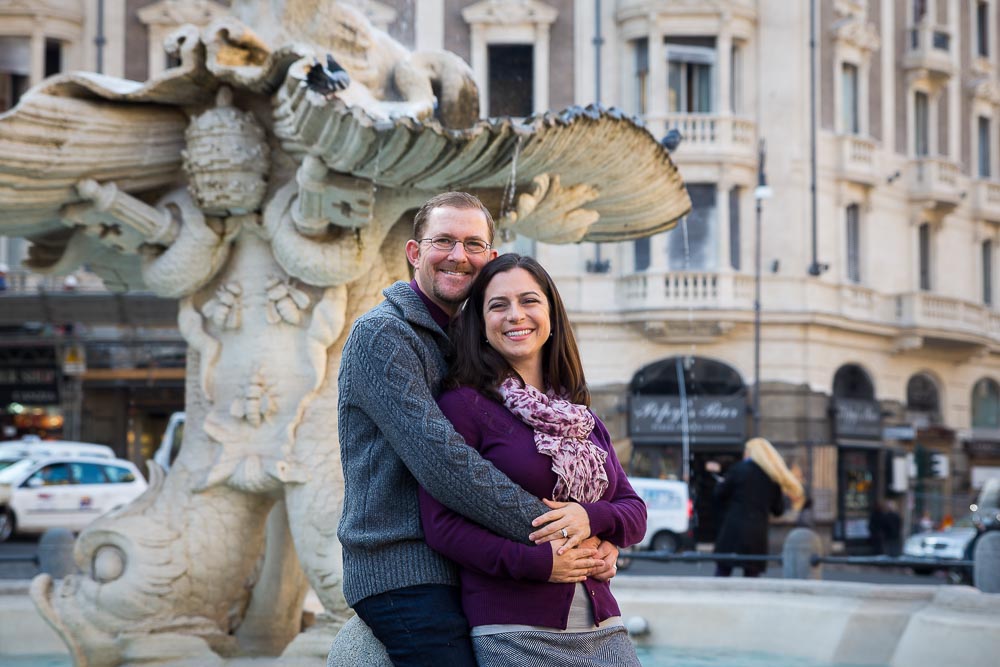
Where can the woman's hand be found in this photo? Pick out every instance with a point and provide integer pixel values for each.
(565, 520)
(574, 565)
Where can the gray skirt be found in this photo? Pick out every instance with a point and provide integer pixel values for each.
(606, 647)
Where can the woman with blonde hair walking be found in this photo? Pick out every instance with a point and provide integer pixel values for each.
(751, 489)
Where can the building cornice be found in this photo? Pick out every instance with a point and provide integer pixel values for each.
(70, 10)
(509, 12)
(181, 12)
(857, 33)
(984, 89)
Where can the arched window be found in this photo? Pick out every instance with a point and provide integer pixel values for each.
(851, 381)
(702, 377)
(923, 402)
(922, 395)
(986, 404)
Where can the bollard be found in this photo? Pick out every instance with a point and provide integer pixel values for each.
(796, 555)
(55, 552)
(986, 571)
(356, 645)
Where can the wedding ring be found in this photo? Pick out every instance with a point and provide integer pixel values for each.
(565, 534)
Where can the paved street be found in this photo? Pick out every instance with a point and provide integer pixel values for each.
(27, 546)
(19, 546)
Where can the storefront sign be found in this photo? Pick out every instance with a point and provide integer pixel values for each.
(709, 419)
(983, 448)
(29, 385)
(856, 418)
(901, 432)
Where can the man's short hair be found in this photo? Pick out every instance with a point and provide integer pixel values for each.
(460, 200)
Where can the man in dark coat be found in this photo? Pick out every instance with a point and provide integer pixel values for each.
(746, 495)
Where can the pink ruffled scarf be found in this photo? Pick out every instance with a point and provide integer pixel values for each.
(562, 432)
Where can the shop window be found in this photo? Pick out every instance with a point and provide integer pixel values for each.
(690, 74)
(654, 462)
(852, 381)
(853, 243)
(857, 481)
(511, 79)
(692, 246)
(986, 404)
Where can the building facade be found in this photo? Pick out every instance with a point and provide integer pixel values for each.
(875, 366)
(76, 360)
(879, 329)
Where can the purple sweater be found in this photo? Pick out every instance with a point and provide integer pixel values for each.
(504, 581)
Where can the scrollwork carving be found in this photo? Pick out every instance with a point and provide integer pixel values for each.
(552, 213)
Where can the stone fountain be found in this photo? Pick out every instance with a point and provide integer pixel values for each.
(275, 214)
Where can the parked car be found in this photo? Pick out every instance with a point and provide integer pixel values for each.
(959, 541)
(950, 543)
(63, 492)
(33, 446)
(669, 517)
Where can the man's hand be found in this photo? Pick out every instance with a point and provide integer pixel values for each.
(608, 553)
(574, 565)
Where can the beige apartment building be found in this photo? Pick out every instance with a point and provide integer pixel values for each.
(879, 330)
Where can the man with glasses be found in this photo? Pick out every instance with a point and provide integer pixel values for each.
(393, 437)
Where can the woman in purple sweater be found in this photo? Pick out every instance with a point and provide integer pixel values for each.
(517, 394)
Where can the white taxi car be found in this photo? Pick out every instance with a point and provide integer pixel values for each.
(39, 493)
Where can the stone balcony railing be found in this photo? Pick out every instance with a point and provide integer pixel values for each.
(928, 50)
(685, 290)
(935, 182)
(986, 200)
(713, 137)
(702, 296)
(925, 310)
(857, 159)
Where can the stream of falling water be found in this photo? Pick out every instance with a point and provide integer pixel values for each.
(507, 200)
(375, 174)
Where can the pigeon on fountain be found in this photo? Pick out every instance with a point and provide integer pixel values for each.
(328, 80)
(672, 140)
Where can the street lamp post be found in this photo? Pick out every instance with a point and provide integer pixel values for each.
(760, 193)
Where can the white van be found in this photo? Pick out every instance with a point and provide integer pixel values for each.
(170, 444)
(669, 510)
(33, 446)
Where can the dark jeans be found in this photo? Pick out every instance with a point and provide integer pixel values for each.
(420, 626)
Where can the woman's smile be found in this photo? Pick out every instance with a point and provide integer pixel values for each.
(517, 319)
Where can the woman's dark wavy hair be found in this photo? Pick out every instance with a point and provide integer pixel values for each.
(475, 364)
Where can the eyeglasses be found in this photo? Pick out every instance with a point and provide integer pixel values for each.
(446, 244)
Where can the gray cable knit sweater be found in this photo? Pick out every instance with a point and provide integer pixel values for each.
(393, 437)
